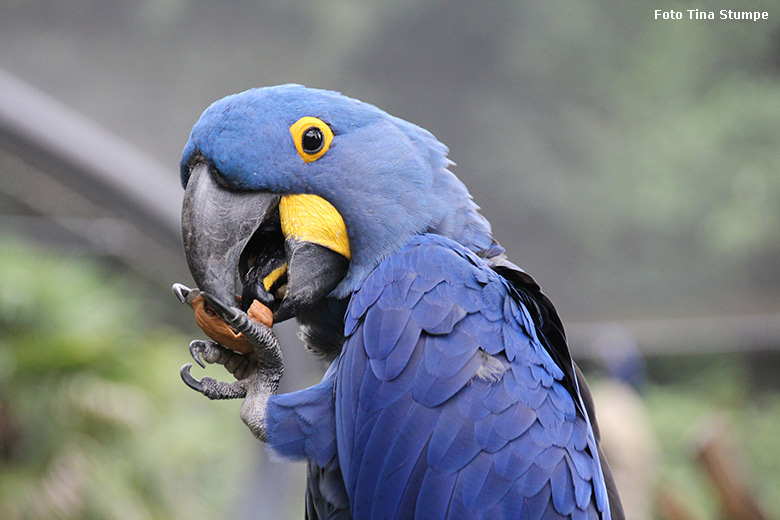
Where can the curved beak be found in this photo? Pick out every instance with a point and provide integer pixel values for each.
(237, 251)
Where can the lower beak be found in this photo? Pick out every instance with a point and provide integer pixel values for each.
(313, 272)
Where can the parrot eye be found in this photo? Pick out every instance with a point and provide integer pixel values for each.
(312, 138)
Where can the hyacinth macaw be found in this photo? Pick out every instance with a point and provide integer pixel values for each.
(451, 392)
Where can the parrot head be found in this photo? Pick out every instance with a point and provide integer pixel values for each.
(294, 195)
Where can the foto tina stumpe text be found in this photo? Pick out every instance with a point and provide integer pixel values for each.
(698, 14)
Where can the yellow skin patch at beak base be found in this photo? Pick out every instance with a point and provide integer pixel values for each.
(310, 218)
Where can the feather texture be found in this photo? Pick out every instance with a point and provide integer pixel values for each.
(519, 442)
(406, 422)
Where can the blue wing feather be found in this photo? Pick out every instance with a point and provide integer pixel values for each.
(302, 424)
(562, 487)
(408, 503)
(370, 451)
(405, 455)
(444, 403)
(397, 359)
(484, 487)
(386, 327)
(448, 431)
(456, 408)
(435, 494)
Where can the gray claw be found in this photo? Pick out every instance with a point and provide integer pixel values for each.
(184, 293)
(181, 291)
(196, 350)
(189, 380)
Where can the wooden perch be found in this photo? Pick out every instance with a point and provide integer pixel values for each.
(726, 468)
(671, 506)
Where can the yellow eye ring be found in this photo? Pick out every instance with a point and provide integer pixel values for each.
(312, 138)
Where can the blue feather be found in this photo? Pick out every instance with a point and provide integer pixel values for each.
(532, 481)
(472, 400)
(582, 487)
(455, 314)
(424, 284)
(511, 506)
(398, 358)
(483, 486)
(406, 454)
(492, 301)
(514, 421)
(536, 505)
(442, 362)
(509, 465)
(550, 418)
(411, 496)
(563, 489)
(369, 452)
(376, 393)
(433, 391)
(459, 452)
(582, 463)
(474, 478)
(291, 418)
(399, 295)
(428, 315)
(486, 435)
(450, 423)
(384, 328)
(436, 492)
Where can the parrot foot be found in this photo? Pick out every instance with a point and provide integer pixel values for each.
(256, 381)
(211, 352)
(257, 373)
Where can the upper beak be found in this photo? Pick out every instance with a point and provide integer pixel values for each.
(234, 244)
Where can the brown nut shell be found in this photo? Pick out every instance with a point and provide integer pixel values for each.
(216, 328)
(260, 313)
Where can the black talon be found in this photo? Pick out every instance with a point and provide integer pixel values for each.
(196, 352)
(231, 315)
(189, 380)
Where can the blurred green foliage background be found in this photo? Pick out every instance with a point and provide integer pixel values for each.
(629, 164)
(93, 420)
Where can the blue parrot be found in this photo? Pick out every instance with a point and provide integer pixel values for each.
(451, 392)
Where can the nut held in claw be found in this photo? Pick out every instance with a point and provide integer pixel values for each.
(216, 328)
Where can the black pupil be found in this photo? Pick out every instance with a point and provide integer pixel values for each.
(312, 140)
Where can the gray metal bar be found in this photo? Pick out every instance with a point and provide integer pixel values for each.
(80, 153)
(683, 336)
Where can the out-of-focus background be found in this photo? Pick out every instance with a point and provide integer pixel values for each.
(631, 165)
